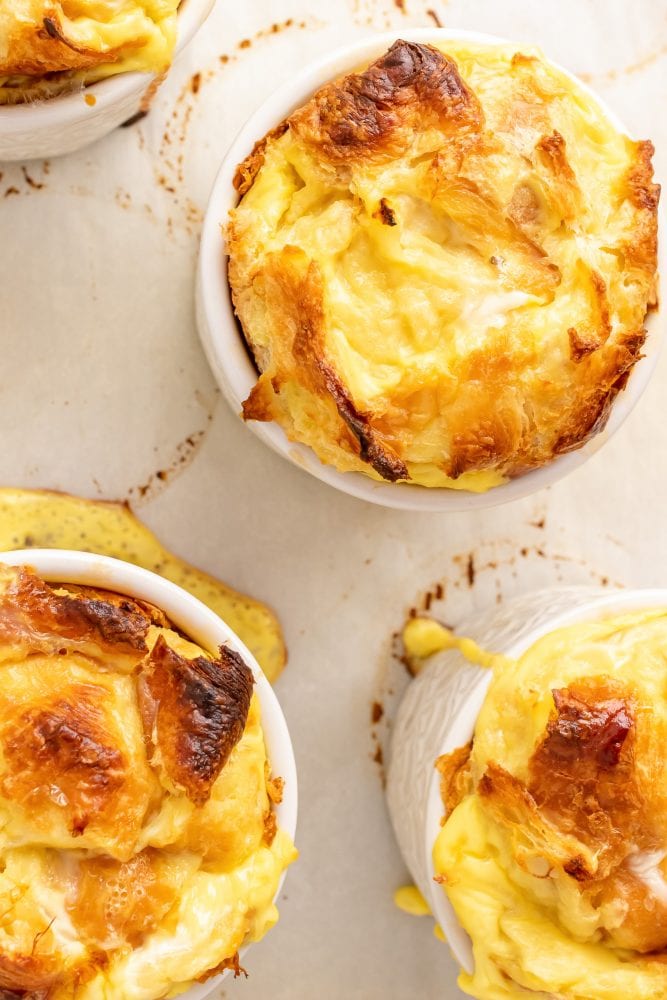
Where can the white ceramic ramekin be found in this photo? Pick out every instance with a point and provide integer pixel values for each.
(62, 124)
(205, 628)
(230, 360)
(439, 711)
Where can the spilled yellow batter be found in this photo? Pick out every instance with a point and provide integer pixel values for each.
(423, 637)
(43, 519)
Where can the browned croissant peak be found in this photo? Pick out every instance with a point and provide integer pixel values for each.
(585, 808)
(34, 616)
(194, 713)
(374, 113)
(70, 749)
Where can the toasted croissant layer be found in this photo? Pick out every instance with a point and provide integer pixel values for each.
(554, 845)
(50, 46)
(442, 264)
(138, 847)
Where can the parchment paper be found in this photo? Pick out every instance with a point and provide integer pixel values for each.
(102, 383)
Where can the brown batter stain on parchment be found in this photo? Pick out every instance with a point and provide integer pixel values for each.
(488, 574)
(183, 456)
(616, 72)
(19, 179)
(184, 213)
(397, 13)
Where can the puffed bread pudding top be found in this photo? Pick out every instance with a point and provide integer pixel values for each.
(553, 850)
(443, 264)
(48, 47)
(138, 846)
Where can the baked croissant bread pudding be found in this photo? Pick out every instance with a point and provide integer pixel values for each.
(553, 851)
(139, 849)
(49, 47)
(442, 264)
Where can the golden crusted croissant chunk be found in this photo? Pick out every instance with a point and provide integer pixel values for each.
(553, 849)
(443, 264)
(138, 847)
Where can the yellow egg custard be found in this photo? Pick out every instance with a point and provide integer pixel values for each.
(553, 849)
(139, 849)
(51, 46)
(442, 264)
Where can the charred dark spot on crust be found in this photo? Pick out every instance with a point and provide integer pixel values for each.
(308, 350)
(34, 615)
(485, 786)
(385, 463)
(51, 28)
(577, 868)
(365, 110)
(194, 712)
(385, 213)
(582, 775)
(596, 732)
(115, 626)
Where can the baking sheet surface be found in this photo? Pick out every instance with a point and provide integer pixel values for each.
(103, 385)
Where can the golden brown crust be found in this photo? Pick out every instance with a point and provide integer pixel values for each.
(299, 286)
(64, 745)
(114, 729)
(395, 190)
(33, 615)
(250, 167)
(194, 713)
(583, 809)
(582, 774)
(275, 787)
(641, 251)
(40, 48)
(374, 114)
(455, 777)
(232, 964)
(27, 976)
(120, 902)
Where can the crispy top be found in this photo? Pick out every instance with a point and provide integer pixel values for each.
(134, 798)
(47, 46)
(563, 793)
(443, 265)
